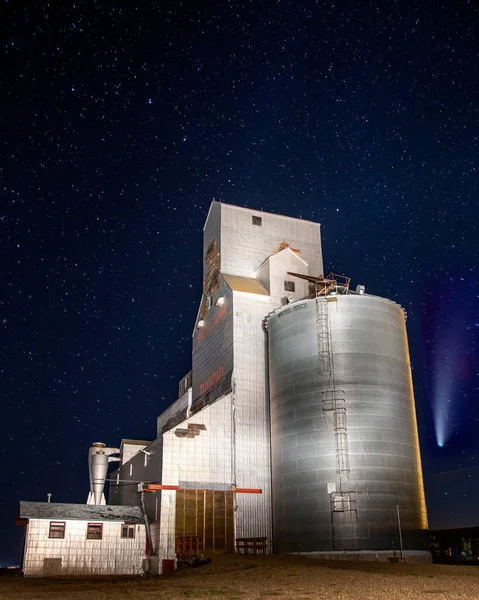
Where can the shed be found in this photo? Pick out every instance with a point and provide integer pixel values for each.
(82, 539)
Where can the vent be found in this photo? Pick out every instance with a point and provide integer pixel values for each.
(257, 221)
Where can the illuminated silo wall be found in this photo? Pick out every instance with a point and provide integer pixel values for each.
(345, 451)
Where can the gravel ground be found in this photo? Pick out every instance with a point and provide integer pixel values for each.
(269, 577)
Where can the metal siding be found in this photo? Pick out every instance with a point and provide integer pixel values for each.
(245, 246)
(212, 231)
(175, 413)
(126, 492)
(371, 372)
(213, 353)
(279, 265)
(235, 447)
(206, 458)
(128, 451)
(252, 450)
(112, 555)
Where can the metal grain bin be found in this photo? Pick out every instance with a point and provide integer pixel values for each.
(345, 451)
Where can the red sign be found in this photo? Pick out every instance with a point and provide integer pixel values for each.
(212, 380)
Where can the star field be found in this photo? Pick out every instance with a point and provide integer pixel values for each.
(120, 125)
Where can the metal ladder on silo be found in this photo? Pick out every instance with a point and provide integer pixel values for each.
(334, 402)
(324, 342)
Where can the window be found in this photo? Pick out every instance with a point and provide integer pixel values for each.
(289, 286)
(128, 531)
(57, 530)
(94, 531)
(131, 469)
(257, 221)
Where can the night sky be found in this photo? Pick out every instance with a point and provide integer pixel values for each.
(119, 126)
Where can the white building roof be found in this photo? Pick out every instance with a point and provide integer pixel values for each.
(81, 512)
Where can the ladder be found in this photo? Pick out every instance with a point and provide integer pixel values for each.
(334, 404)
(334, 400)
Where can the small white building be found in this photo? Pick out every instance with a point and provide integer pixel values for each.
(79, 539)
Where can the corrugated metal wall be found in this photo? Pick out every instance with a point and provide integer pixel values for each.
(344, 432)
(244, 246)
(80, 556)
(252, 450)
(204, 460)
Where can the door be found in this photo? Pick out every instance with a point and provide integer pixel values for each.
(207, 515)
(52, 567)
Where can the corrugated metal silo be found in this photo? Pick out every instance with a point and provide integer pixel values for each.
(345, 451)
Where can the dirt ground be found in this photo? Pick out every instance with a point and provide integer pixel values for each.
(269, 577)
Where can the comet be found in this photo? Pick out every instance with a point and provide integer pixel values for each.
(451, 370)
(446, 383)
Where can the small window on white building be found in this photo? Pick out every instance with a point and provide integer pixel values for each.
(289, 286)
(257, 221)
(128, 531)
(94, 531)
(57, 530)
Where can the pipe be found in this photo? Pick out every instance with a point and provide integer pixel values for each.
(399, 527)
(147, 523)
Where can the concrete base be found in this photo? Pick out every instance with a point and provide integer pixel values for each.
(409, 556)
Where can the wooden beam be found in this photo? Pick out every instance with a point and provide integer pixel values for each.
(154, 487)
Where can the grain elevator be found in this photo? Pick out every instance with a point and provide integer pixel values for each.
(295, 430)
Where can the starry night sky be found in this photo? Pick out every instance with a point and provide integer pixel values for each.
(119, 126)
